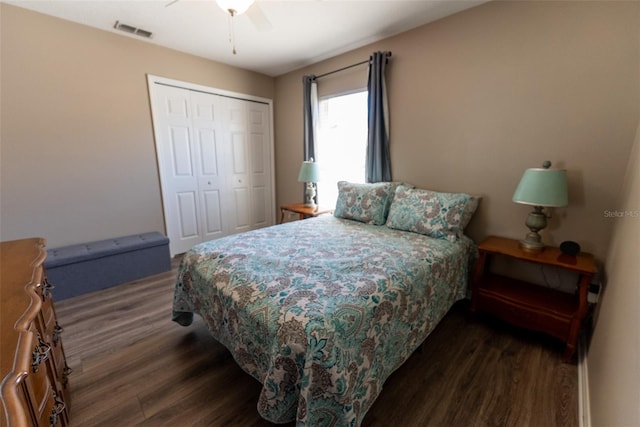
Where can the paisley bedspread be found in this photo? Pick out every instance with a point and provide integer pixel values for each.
(321, 311)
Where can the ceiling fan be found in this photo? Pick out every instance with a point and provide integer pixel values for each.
(237, 7)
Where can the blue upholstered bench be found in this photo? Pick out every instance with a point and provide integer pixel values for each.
(87, 267)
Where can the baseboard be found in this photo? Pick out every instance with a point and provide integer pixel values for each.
(584, 409)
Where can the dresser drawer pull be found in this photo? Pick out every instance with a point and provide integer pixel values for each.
(57, 330)
(65, 375)
(46, 288)
(58, 408)
(40, 354)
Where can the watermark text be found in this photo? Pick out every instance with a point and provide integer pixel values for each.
(622, 214)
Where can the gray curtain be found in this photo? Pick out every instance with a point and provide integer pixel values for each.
(310, 120)
(310, 115)
(378, 161)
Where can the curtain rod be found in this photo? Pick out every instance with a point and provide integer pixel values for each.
(347, 67)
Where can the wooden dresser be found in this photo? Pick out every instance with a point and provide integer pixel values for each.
(34, 388)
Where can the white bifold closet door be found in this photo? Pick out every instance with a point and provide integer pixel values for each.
(214, 156)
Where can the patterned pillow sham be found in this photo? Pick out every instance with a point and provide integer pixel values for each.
(469, 209)
(439, 215)
(368, 203)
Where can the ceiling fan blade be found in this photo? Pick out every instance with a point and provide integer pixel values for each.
(258, 18)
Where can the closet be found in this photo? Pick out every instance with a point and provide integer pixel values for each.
(215, 158)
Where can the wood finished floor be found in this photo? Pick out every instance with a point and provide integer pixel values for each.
(133, 366)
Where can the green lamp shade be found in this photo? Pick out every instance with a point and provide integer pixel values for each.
(309, 172)
(542, 187)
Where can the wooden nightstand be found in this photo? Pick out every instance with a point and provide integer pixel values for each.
(530, 306)
(303, 211)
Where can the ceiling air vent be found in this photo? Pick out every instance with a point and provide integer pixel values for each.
(132, 30)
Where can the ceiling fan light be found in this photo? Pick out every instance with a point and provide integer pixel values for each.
(237, 6)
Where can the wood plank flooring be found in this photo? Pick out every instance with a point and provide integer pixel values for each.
(133, 366)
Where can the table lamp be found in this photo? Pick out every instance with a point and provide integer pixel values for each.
(540, 188)
(309, 174)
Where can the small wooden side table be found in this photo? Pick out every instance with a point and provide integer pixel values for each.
(303, 211)
(531, 306)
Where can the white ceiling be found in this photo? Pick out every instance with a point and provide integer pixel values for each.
(302, 31)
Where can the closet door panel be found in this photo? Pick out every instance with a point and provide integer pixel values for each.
(241, 199)
(183, 187)
(215, 159)
(240, 167)
(181, 153)
(187, 208)
(242, 210)
(208, 126)
(261, 174)
(208, 154)
(213, 214)
(204, 107)
(260, 214)
(210, 183)
(175, 104)
(239, 154)
(177, 161)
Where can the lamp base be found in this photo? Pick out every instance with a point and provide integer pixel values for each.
(531, 246)
(536, 221)
(310, 194)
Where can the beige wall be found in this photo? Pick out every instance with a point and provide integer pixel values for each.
(475, 99)
(613, 370)
(478, 97)
(78, 157)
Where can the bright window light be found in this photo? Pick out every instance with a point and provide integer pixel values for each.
(342, 143)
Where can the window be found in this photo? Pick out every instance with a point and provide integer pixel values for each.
(341, 146)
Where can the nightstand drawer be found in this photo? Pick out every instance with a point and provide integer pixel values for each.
(526, 316)
(529, 305)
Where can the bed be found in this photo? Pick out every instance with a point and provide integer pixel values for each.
(322, 311)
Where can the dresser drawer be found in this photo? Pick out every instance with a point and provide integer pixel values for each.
(35, 390)
(38, 382)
